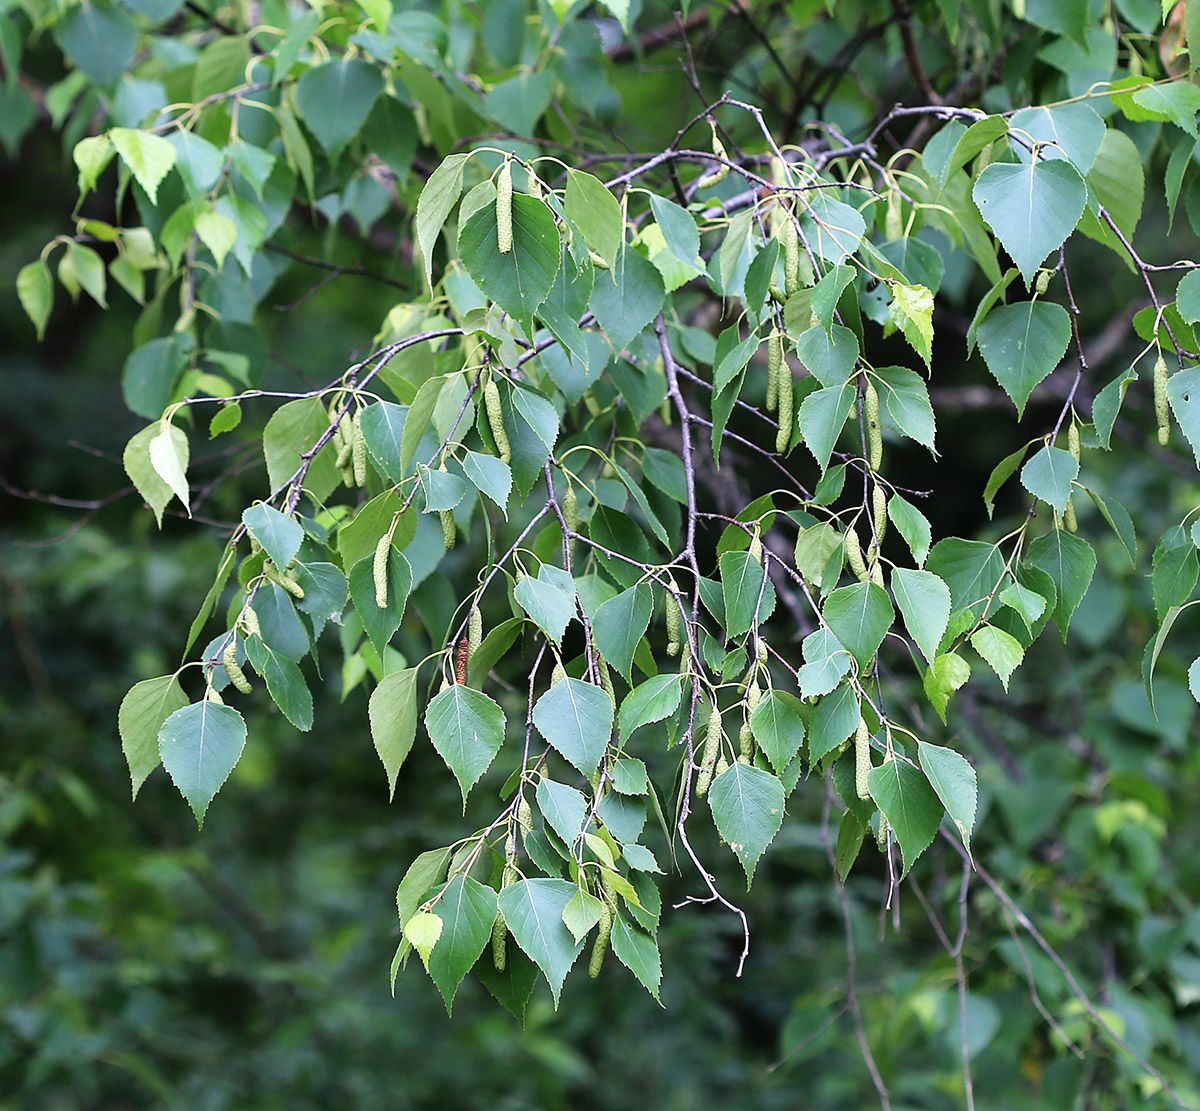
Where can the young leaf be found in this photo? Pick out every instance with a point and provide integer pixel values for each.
(200, 745)
(747, 806)
(439, 196)
(743, 587)
(169, 458)
(949, 672)
(467, 729)
(148, 156)
(596, 213)
(35, 289)
(1002, 651)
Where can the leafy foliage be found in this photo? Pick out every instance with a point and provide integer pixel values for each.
(569, 492)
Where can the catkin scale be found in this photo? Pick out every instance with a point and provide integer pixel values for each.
(1162, 407)
(862, 759)
(504, 208)
(874, 432)
(236, 675)
(774, 367)
(785, 386)
(379, 569)
(495, 415)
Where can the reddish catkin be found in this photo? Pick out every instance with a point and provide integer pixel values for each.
(862, 759)
(464, 654)
(504, 208)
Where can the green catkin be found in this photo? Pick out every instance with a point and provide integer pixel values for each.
(745, 743)
(874, 432)
(753, 695)
(876, 573)
(570, 509)
(1069, 518)
(761, 651)
(602, 938)
(774, 367)
(722, 765)
(474, 632)
(756, 546)
(525, 816)
(606, 679)
(344, 444)
(504, 208)
(862, 759)
(790, 241)
(708, 758)
(449, 528)
(785, 386)
(598, 260)
(288, 582)
(558, 674)
(879, 512)
(358, 449)
(379, 569)
(236, 675)
(854, 554)
(1042, 282)
(214, 695)
(722, 171)
(1162, 407)
(881, 834)
(500, 943)
(674, 623)
(495, 415)
(250, 620)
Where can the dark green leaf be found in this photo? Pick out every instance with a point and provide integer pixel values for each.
(143, 711)
(467, 729)
(627, 298)
(285, 682)
(654, 700)
(533, 911)
(1022, 344)
(859, 617)
(778, 727)
(393, 716)
(953, 779)
(279, 534)
(747, 806)
(1070, 562)
(334, 99)
(1049, 475)
(576, 718)
(620, 623)
(909, 803)
(467, 910)
(924, 601)
(200, 744)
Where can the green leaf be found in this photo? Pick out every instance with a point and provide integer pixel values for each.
(439, 196)
(1049, 474)
(335, 99)
(359, 536)
(279, 534)
(1022, 344)
(1032, 208)
(924, 601)
(948, 673)
(638, 952)
(1187, 297)
(596, 213)
(814, 547)
(859, 616)
(285, 683)
(423, 875)
(1073, 131)
(421, 414)
(972, 569)
(1070, 563)
(582, 913)
(533, 912)
(829, 356)
(88, 269)
(565, 808)
(151, 373)
(168, 452)
(442, 490)
(393, 716)
(380, 624)
(423, 931)
(383, 425)
(953, 778)
(1002, 652)
(519, 280)
(834, 229)
(490, 475)
(101, 40)
(35, 288)
(833, 719)
(823, 415)
(467, 909)
(547, 601)
(679, 230)
(913, 525)
(1175, 572)
(826, 663)
(1183, 391)
(731, 356)
(148, 156)
(653, 700)
(1177, 101)
(849, 840)
(1108, 404)
(218, 233)
(294, 428)
(620, 623)
(1118, 181)
(143, 711)
(200, 745)
(909, 803)
(577, 719)
(627, 298)
(747, 806)
(904, 402)
(467, 729)
(743, 585)
(912, 311)
(778, 728)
